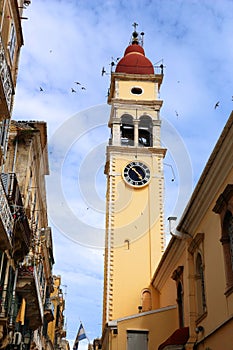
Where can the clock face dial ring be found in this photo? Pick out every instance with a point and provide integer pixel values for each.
(136, 174)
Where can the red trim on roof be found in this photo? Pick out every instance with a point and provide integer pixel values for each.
(179, 337)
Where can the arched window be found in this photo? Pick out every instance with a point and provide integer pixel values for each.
(227, 242)
(223, 207)
(228, 233)
(178, 277)
(145, 131)
(200, 286)
(127, 130)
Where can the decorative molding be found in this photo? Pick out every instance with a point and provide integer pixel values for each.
(199, 237)
(223, 199)
(176, 275)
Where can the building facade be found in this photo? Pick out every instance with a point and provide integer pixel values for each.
(184, 297)
(26, 249)
(56, 328)
(30, 295)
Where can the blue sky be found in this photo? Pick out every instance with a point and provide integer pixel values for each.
(70, 40)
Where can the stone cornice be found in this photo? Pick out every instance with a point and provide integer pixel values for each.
(212, 179)
(136, 150)
(121, 103)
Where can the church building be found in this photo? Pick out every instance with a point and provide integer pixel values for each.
(154, 298)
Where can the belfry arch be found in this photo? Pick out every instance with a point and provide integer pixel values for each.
(145, 131)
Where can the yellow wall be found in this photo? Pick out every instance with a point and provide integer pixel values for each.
(136, 217)
(148, 88)
(156, 323)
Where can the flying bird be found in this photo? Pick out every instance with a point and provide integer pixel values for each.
(72, 90)
(83, 88)
(176, 113)
(216, 104)
(103, 71)
(77, 82)
(41, 89)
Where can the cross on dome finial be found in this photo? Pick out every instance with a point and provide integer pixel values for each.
(135, 26)
(136, 38)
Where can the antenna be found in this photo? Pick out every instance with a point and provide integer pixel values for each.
(142, 38)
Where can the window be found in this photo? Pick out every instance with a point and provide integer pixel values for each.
(196, 249)
(180, 304)
(200, 286)
(223, 207)
(227, 243)
(230, 234)
(178, 277)
(136, 90)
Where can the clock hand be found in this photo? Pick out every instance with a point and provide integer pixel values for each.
(139, 175)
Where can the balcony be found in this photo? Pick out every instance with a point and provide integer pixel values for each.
(6, 85)
(28, 287)
(21, 230)
(6, 220)
(49, 310)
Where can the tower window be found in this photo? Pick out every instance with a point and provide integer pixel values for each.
(136, 90)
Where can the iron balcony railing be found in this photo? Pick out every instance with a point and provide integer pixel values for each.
(11, 187)
(6, 84)
(6, 218)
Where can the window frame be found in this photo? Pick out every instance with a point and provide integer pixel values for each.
(224, 207)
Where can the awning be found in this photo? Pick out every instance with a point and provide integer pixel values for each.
(178, 338)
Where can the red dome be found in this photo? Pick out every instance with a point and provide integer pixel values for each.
(135, 61)
(134, 48)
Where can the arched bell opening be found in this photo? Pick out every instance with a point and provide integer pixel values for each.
(127, 130)
(145, 132)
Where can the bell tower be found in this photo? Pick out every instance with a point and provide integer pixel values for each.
(134, 239)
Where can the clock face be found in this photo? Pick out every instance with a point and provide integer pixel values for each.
(136, 174)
